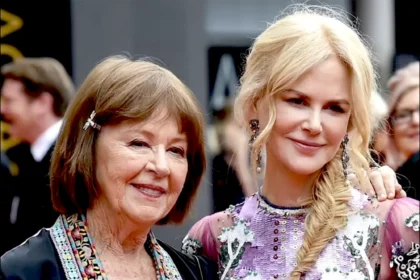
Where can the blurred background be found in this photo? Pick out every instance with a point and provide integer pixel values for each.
(202, 41)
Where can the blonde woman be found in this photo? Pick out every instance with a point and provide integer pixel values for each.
(306, 87)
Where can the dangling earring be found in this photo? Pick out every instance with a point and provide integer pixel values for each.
(345, 157)
(254, 125)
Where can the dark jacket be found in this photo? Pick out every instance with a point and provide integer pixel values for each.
(37, 259)
(408, 176)
(31, 194)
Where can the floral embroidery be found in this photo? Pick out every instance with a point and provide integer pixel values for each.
(63, 247)
(407, 265)
(360, 234)
(84, 251)
(413, 221)
(232, 241)
(191, 246)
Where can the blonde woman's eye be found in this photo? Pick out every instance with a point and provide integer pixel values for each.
(295, 101)
(337, 109)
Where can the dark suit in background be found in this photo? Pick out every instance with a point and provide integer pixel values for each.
(30, 206)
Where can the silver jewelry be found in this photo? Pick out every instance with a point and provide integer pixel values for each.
(345, 159)
(254, 125)
(91, 123)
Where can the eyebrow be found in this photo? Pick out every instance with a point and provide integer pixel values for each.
(151, 135)
(336, 101)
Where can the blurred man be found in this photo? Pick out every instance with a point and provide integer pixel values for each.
(35, 95)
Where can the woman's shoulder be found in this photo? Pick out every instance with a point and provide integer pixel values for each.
(32, 259)
(191, 266)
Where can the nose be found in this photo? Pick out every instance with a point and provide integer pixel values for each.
(313, 123)
(161, 167)
(416, 118)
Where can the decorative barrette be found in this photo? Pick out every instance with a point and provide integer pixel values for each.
(91, 123)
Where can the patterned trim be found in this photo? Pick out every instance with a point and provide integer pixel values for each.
(84, 251)
(165, 266)
(63, 247)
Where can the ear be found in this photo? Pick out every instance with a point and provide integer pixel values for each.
(253, 112)
(44, 102)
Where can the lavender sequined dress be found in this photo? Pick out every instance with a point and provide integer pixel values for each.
(257, 240)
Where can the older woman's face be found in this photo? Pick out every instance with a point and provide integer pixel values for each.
(141, 167)
(406, 123)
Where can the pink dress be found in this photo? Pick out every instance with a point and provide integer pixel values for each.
(257, 240)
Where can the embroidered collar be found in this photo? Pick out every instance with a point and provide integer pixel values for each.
(272, 209)
(80, 260)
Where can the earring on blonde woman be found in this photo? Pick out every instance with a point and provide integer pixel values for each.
(254, 125)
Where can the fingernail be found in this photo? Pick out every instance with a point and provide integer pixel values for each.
(382, 196)
(391, 195)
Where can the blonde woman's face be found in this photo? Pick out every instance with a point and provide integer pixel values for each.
(141, 167)
(406, 123)
(312, 119)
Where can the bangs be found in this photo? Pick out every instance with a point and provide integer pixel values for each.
(148, 98)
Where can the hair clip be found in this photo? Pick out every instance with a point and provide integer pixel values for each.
(91, 123)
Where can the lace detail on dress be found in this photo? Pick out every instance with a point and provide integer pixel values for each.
(407, 265)
(191, 246)
(413, 221)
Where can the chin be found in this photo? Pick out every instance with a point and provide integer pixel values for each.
(304, 167)
(144, 214)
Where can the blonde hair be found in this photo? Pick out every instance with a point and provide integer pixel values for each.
(279, 56)
(122, 89)
(42, 74)
(379, 113)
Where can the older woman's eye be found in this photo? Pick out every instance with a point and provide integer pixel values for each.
(138, 143)
(178, 151)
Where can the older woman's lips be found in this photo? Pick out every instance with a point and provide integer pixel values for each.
(150, 190)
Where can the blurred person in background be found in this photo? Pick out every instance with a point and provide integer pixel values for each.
(231, 177)
(379, 132)
(35, 95)
(402, 152)
(131, 155)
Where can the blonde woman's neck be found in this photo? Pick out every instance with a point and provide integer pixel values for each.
(284, 188)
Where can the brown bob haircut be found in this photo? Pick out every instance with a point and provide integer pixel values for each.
(119, 89)
(43, 74)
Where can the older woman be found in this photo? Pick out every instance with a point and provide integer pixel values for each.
(305, 96)
(130, 156)
(402, 152)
